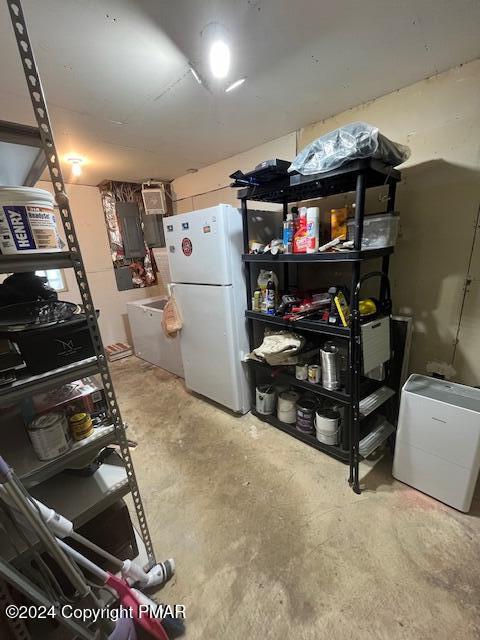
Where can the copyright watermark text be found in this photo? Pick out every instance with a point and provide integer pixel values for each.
(70, 612)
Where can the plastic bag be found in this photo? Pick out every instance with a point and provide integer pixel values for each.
(351, 142)
(171, 320)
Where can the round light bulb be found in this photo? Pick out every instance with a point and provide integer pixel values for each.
(219, 59)
(76, 168)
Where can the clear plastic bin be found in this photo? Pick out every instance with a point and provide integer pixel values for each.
(378, 231)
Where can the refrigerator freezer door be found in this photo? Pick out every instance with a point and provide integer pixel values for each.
(211, 361)
(199, 245)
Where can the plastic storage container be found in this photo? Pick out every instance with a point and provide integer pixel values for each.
(54, 346)
(27, 221)
(378, 231)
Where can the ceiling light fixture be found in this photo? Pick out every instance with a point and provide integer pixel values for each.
(235, 84)
(219, 59)
(76, 166)
(195, 75)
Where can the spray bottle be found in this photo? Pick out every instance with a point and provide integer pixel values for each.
(288, 231)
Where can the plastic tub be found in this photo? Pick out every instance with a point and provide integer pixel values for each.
(378, 231)
(27, 221)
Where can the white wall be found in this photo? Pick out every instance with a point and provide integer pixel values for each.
(91, 230)
(210, 185)
(438, 199)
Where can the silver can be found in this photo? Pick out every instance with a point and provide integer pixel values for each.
(330, 366)
(314, 371)
(50, 435)
(301, 372)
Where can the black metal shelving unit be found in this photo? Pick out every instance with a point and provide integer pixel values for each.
(357, 176)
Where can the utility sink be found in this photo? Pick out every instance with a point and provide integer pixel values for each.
(156, 304)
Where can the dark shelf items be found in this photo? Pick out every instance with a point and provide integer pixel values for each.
(280, 375)
(357, 176)
(344, 256)
(335, 452)
(342, 180)
(26, 384)
(305, 325)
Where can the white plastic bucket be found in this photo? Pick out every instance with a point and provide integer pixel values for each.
(327, 428)
(27, 221)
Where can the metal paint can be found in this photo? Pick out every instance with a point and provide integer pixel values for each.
(257, 300)
(265, 399)
(306, 416)
(314, 372)
(301, 372)
(49, 435)
(327, 425)
(81, 425)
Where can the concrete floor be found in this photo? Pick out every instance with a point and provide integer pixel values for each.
(269, 540)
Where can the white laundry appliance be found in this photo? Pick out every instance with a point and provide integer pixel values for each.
(204, 254)
(437, 447)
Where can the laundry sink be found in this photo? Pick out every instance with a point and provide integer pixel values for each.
(156, 304)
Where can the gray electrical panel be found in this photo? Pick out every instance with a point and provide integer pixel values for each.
(153, 230)
(129, 219)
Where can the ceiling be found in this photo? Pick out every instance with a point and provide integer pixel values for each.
(121, 95)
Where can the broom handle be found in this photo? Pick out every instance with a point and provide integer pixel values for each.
(83, 561)
(35, 522)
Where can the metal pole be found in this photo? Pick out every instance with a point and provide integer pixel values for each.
(20, 501)
(285, 264)
(392, 190)
(251, 371)
(385, 269)
(35, 522)
(246, 249)
(355, 339)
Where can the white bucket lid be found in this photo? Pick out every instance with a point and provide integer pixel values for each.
(25, 195)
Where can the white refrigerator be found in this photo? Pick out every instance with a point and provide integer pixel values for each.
(204, 254)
